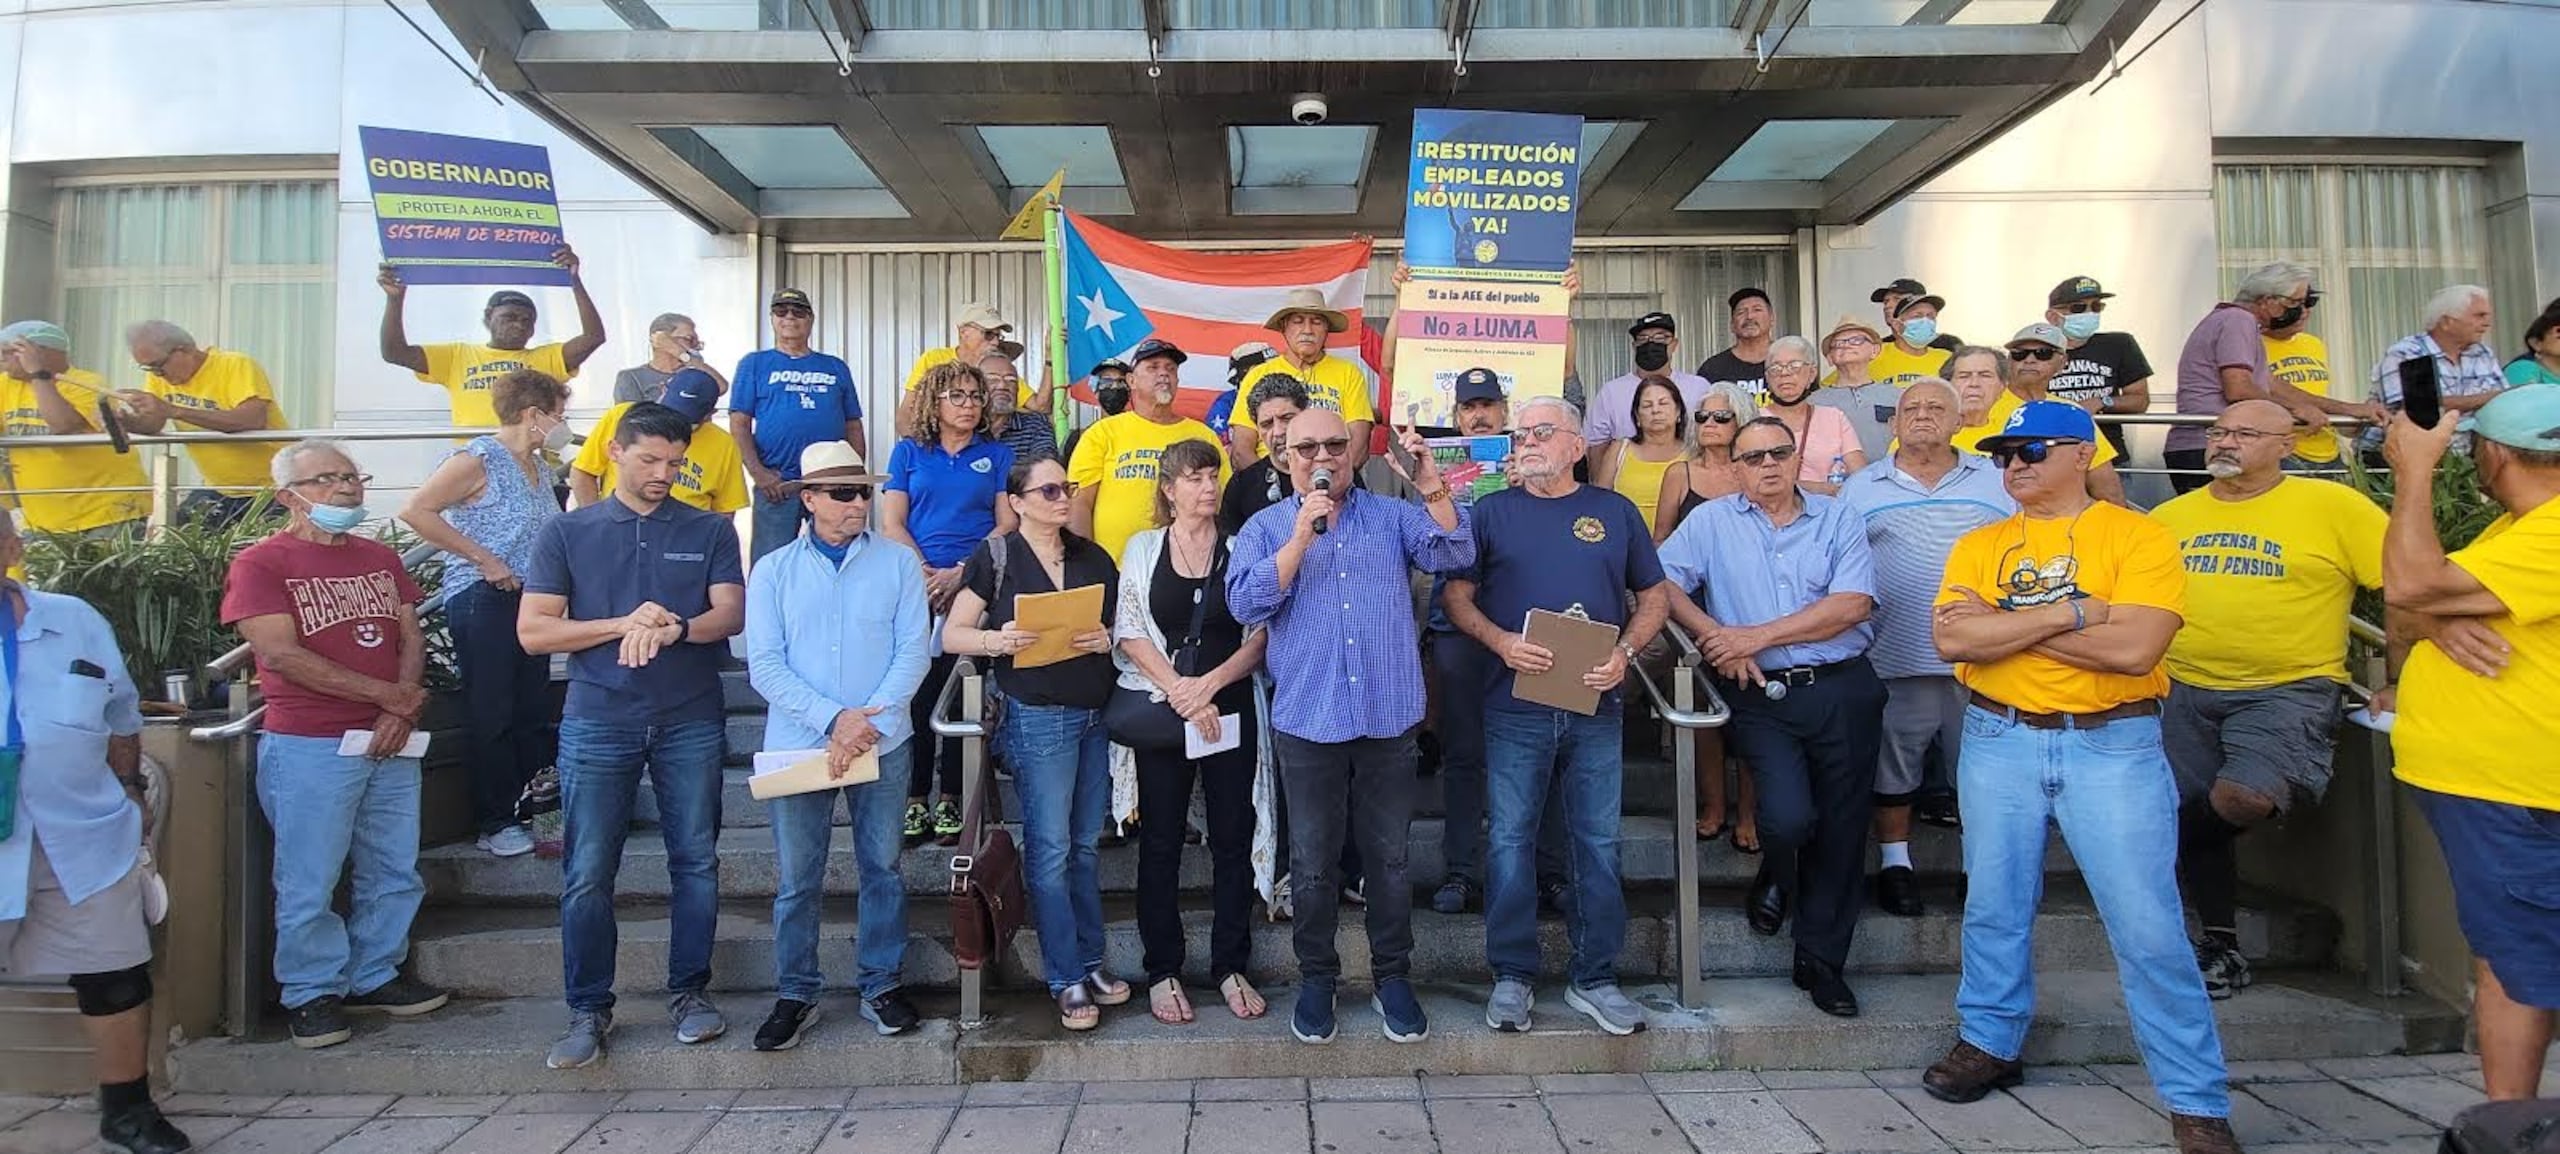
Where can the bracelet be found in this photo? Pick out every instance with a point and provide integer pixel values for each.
(1435, 495)
(2079, 620)
(684, 629)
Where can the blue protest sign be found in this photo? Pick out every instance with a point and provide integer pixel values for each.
(1491, 195)
(457, 210)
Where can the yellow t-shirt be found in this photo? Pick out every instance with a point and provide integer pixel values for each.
(2302, 360)
(2108, 552)
(2270, 581)
(71, 467)
(1334, 383)
(1640, 480)
(1897, 368)
(469, 371)
(1969, 438)
(713, 477)
(2491, 738)
(944, 355)
(1117, 459)
(227, 381)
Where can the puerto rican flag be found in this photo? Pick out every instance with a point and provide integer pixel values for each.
(1122, 290)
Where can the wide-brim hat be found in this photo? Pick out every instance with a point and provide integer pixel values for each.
(833, 463)
(1846, 324)
(1307, 300)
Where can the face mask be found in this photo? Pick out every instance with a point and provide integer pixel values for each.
(1652, 355)
(2287, 319)
(2080, 326)
(1920, 330)
(558, 438)
(337, 518)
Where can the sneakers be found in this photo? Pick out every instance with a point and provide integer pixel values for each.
(946, 821)
(1552, 897)
(584, 1043)
(1356, 893)
(401, 997)
(541, 795)
(2225, 971)
(890, 1013)
(919, 822)
(1456, 896)
(1508, 1009)
(697, 1020)
(1281, 908)
(1312, 1021)
(322, 1021)
(512, 841)
(1608, 1007)
(141, 1130)
(789, 1022)
(1395, 1002)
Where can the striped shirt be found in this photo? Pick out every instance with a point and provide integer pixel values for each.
(1910, 527)
(2474, 372)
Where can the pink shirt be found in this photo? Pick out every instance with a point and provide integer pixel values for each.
(1827, 434)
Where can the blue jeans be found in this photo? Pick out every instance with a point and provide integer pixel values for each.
(1061, 760)
(335, 814)
(1530, 756)
(800, 833)
(775, 524)
(1463, 667)
(507, 693)
(600, 765)
(2111, 791)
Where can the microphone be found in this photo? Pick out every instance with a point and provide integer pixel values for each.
(1324, 484)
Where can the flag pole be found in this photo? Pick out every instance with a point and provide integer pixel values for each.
(1054, 259)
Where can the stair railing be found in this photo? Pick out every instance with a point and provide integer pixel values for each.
(1679, 709)
(959, 711)
(2382, 975)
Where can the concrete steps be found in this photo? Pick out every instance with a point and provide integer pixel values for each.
(496, 1046)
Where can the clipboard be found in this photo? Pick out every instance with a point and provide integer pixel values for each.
(784, 772)
(1056, 618)
(1579, 643)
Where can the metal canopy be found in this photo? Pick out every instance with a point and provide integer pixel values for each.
(909, 103)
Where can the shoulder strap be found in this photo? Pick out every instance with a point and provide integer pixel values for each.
(1209, 586)
(996, 552)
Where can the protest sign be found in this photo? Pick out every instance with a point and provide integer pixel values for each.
(1444, 328)
(457, 210)
(1490, 201)
(1473, 466)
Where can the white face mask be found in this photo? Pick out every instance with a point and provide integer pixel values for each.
(558, 438)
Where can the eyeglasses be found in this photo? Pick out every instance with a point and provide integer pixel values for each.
(965, 398)
(155, 368)
(1537, 434)
(2028, 452)
(843, 494)
(1053, 491)
(1317, 450)
(2034, 353)
(1852, 339)
(1790, 366)
(1719, 416)
(2244, 436)
(2077, 307)
(333, 480)
(1777, 455)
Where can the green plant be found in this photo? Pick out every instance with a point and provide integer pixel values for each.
(160, 592)
(2462, 509)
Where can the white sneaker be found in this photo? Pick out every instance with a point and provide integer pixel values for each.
(512, 841)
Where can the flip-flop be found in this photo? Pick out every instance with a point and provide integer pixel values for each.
(1750, 850)
(1234, 988)
(1168, 1003)
(1716, 834)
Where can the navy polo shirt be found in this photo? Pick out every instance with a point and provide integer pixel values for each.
(951, 497)
(1590, 547)
(607, 559)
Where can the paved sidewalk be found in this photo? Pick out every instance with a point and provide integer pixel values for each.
(2389, 1104)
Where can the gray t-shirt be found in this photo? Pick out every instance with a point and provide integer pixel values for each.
(1869, 407)
(640, 383)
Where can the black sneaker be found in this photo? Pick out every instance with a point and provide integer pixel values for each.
(401, 997)
(1552, 897)
(789, 1022)
(891, 1013)
(1456, 895)
(322, 1021)
(2226, 972)
(141, 1130)
(1938, 809)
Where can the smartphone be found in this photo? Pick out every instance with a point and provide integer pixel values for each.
(114, 428)
(2420, 395)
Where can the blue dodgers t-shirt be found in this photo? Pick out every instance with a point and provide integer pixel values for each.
(607, 558)
(796, 402)
(951, 498)
(1589, 547)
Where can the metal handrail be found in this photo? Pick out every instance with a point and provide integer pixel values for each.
(2382, 975)
(239, 726)
(964, 689)
(231, 661)
(1678, 710)
(259, 436)
(946, 725)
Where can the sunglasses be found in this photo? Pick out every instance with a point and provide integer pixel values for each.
(2077, 307)
(1537, 434)
(1318, 450)
(2034, 353)
(793, 311)
(2027, 452)
(1718, 416)
(843, 494)
(1053, 491)
(1773, 456)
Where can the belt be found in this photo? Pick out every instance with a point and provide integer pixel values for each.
(2147, 707)
(1799, 676)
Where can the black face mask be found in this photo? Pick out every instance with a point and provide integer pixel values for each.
(1112, 400)
(1652, 355)
(2287, 318)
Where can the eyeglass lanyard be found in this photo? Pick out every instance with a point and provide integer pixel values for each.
(9, 657)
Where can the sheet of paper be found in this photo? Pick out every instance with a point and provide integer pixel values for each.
(1579, 645)
(1057, 618)
(1230, 735)
(2377, 722)
(357, 741)
(783, 772)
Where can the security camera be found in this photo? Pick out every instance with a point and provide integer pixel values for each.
(1308, 108)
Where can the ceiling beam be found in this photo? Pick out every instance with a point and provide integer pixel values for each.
(1159, 25)
(1938, 11)
(853, 23)
(639, 15)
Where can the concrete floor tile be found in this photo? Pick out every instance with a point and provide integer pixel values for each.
(523, 1134)
(658, 1101)
(887, 1131)
(2432, 1097)
(1591, 1084)
(282, 1136)
(331, 1106)
(2258, 1124)
(1612, 1123)
(2063, 1076)
(2272, 1070)
(1128, 1128)
(2381, 1066)
(1098, 1092)
(1739, 1122)
(472, 1106)
(1020, 1094)
(808, 1099)
(1402, 1088)
(1702, 1081)
(642, 1133)
(403, 1136)
(1815, 1080)
(766, 1132)
(1516, 1125)
(561, 1102)
(1372, 1128)
(2129, 1076)
(870, 1097)
(1248, 1128)
(245, 1105)
(1998, 1122)
(204, 1131)
(2095, 1115)
(2339, 1110)
(1012, 1129)
(1866, 1119)
(58, 1132)
(1907, 1078)
(1477, 1086)
(1249, 1090)
(2449, 1063)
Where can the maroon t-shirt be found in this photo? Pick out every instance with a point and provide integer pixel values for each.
(344, 600)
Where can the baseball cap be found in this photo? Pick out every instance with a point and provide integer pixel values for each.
(2078, 288)
(982, 315)
(693, 393)
(2524, 417)
(1930, 299)
(2044, 421)
(2040, 333)
(1653, 321)
(792, 298)
(507, 297)
(1901, 284)
(1108, 363)
(1156, 347)
(1746, 293)
(1244, 357)
(1479, 385)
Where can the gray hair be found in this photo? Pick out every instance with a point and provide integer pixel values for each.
(668, 322)
(2271, 281)
(2451, 301)
(283, 467)
(162, 335)
(1275, 387)
(2000, 365)
(1745, 407)
(1572, 412)
(1802, 345)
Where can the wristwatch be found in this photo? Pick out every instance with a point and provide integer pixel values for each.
(684, 629)
(1629, 650)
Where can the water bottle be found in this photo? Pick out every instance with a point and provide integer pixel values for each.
(1839, 468)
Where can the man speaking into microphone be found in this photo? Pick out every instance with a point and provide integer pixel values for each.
(1325, 571)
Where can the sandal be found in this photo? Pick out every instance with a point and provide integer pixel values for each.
(1242, 999)
(1168, 1003)
(1076, 1010)
(1106, 990)
(1738, 847)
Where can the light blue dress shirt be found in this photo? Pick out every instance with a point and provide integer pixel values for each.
(67, 796)
(823, 638)
(1755, 572)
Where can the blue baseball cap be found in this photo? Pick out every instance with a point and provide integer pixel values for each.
(693, 393)
(1479, 385)
(2044, 421)
(1156, 347)
(2524, 417)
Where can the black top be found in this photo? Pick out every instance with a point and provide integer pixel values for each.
(1253, 489)
(2098, 370)
(1083, 681)
(1171, 599)
(1726, 368)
